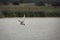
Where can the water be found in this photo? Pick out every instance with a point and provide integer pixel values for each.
(34, 29)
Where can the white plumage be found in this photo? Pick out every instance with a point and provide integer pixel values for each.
(22, 21)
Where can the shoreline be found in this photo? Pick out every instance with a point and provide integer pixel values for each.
(30, 17)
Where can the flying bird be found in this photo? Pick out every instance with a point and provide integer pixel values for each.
(22, 21)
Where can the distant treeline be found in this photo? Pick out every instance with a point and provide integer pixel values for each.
(30, 1)
(29, 14)
(41, 3)
(37, 2)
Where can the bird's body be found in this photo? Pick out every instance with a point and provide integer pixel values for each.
(22, 23)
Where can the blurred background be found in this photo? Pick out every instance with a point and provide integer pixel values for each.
(31, 8)
(41, 20)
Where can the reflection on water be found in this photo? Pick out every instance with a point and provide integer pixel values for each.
(35, 29)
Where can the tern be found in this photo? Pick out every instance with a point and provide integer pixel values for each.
(22, 21)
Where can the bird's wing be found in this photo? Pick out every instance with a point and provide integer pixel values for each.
(19, 20)
(23, 18)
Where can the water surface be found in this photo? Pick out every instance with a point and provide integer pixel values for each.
(34, 29)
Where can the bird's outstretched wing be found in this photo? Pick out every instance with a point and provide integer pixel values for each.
(19, 20)
(23, 19)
